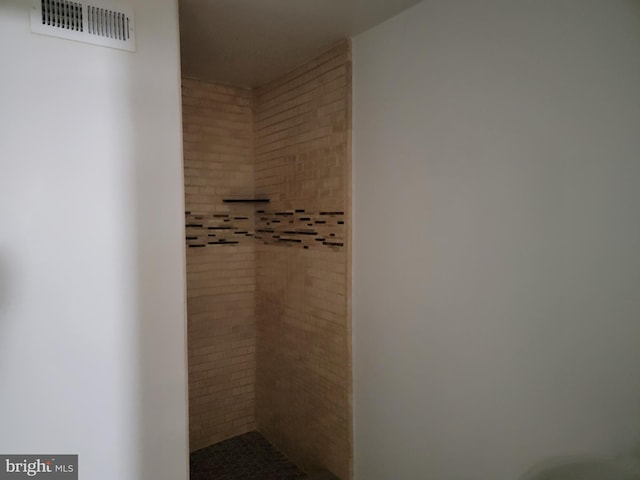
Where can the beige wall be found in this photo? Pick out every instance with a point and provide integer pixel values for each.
(284, 287)
(218, 162)
(302, 140)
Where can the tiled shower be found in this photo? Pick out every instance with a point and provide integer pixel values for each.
(267, 181)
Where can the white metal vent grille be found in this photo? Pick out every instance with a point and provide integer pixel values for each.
(108, 23)
(101, 23)
(62, 14)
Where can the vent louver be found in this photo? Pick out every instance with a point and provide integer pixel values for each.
(62, 14)
(101, 23)
(108, 23)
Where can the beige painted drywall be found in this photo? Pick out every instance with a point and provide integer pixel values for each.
(92, 304)
(497, 237)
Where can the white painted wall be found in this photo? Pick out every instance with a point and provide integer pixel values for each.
(497, 237)
(92, 309)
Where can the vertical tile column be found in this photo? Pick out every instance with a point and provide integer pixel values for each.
(218, 161)
(303, 164)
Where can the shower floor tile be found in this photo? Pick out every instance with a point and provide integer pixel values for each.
(245, 457)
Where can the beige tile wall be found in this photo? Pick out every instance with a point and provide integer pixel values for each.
(218, 162)
(302, 144)
(288, 141)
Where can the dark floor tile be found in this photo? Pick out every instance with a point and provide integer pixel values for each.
(245, 457)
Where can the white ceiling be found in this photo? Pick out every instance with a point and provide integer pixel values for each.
(250, 42)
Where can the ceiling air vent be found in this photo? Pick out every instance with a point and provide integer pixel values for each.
(101, 22)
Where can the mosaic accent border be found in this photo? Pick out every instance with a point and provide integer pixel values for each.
(217, 229)
(301, 228)
(292, 228)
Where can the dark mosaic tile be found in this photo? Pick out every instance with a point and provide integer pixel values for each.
(245, 457)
